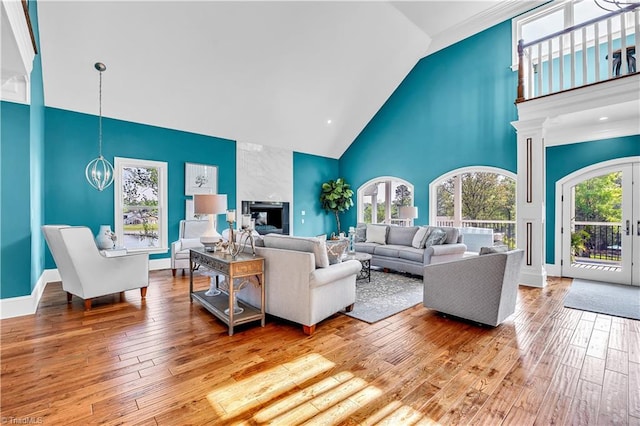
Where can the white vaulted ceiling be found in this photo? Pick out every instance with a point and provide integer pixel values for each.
(270, 73)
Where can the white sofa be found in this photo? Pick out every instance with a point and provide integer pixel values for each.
(297, 289)
(188, 237)
(85, 272)
(403, 249)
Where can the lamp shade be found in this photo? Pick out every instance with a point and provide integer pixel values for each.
(210, 203)
(408, 212)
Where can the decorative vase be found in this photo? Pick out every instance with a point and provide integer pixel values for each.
(103, 237)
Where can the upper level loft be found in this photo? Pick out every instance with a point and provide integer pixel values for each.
(580, 82)
(602, 46)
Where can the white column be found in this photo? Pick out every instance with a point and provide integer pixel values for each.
(530, 188)
(457, 201)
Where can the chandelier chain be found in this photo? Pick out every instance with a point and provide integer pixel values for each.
(100, 117)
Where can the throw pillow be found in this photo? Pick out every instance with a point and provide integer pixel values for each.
(437, 236)
(361, 233)
(494, 249)
(376, 234)
(420, 237)
(190, 243)
(335, 250)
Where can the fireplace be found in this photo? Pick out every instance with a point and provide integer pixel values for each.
(270, 216)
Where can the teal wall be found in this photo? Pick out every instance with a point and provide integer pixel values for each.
(71, 142)
(21, 198)
(565, 159)
(309, 173)
(15, 225)
(453, 110)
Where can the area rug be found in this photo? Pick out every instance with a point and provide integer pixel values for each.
(387, 294)
(611, 299)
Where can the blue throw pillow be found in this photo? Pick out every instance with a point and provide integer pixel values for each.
(438, 236)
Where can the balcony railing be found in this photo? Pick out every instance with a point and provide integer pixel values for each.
(594, 51)
(596, 241)
(504, 231)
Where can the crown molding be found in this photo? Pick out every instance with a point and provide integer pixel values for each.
(500, 12)
(17, 51)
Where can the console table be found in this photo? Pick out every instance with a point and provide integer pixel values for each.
(238, 270)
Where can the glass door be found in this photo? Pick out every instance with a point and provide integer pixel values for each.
(601, 217)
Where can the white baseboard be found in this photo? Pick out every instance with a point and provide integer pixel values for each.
(157, 264)
(553, 270)
(27, 305)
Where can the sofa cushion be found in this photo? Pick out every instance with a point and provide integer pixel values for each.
(377, 234)
(387, 250)
(335, 250)
(401, 235)
(436, 237)
(189, 243)
(304, 244)
(366, 247)
(494, 249)
(452, 234)
(361, 232)
(420, 237)
(412, 254)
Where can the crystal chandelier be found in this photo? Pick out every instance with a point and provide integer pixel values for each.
(99, 171)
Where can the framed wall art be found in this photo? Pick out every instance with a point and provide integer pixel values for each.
(200, 179)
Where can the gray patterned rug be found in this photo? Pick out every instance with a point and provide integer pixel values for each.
(387, 294)
(611, 299)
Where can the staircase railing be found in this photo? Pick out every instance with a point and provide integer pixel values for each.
(588, 53)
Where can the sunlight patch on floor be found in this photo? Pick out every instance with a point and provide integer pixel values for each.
(286, 395)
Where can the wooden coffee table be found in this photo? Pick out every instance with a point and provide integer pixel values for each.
(365, 260)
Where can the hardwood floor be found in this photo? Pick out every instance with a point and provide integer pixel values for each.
(166, 361)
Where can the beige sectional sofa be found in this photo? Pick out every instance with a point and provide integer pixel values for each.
(409, 248)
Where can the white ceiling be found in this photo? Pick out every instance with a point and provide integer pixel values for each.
(264, 72)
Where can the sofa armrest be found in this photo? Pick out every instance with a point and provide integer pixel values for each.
(323, 276)
(444, 253)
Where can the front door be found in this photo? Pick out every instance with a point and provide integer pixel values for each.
(601, 225)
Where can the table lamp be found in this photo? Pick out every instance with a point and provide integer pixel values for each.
(408, 213)
(211, 205)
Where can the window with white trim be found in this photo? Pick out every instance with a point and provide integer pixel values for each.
(384, 196)
(141, 204)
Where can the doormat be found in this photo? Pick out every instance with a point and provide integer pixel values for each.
(618, 300)
(387, 294)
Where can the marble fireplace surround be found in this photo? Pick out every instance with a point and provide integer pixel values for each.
(264, 174)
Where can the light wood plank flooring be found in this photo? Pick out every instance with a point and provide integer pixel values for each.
(166, 361)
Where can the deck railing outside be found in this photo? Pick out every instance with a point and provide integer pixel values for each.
(504, 231)
(584, 54)
(597, 241)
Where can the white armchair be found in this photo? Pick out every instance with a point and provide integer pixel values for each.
(188, 238)
(296, 290)
(85, 272)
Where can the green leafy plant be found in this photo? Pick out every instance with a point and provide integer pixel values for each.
(336, 197)
(578, 243)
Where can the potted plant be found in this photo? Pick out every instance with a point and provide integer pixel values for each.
(336, 197)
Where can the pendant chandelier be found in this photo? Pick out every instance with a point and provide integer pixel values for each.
(613, 5)
(99, 171)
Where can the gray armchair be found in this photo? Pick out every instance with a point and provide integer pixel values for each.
(481, 288)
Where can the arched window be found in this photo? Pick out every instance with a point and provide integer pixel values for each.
(380, 199)
(476, 197)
